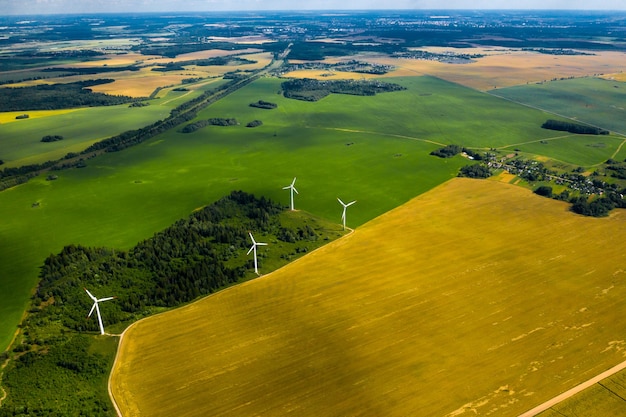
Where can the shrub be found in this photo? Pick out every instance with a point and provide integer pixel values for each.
(544, 191)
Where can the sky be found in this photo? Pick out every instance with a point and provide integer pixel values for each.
(17, 7)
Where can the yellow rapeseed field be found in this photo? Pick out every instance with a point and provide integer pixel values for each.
(476, 298)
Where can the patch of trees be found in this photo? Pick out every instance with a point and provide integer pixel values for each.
(573, 127)
(58, 96)
(544, 191)
(215, 121)
(557, 51)
(90, 70)
(449, 151)
(617, 170)
(313, 90)
(599, 207)
(254, 123)
(170, 66)
(583, 204)
(51, 138)
(261, 104)
(475, 171)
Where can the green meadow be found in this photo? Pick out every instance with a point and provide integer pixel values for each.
(595, 101)
(582, 150)
(20, 140)
(371, 149)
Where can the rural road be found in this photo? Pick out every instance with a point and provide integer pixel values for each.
(578, 388)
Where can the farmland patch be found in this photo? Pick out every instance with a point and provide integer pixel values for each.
(457, 311)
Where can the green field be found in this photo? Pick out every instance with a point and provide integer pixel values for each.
(461, 302)
(596, 101)
(582, 150)
(20, 140)
(372, 149)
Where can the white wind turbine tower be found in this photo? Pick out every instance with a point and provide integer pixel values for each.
(253, 248)
(95, 306)
(343, 215)
(292, 189)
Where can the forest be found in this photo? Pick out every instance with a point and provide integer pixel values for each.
(308, 89)
(192, 258)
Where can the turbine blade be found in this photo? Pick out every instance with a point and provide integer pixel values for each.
(261, 244)
(341, 202)
(293, 182)
(90, 294)
(294, 188)
(253, 246)
(287, 187)
(106, 299)
(252, 238)
(350, 203)
(92, 309)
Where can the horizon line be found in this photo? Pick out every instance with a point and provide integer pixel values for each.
(313, 10)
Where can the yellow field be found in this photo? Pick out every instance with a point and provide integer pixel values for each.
(478, 297)
(7, 117)
(143, 82)
(499, 68)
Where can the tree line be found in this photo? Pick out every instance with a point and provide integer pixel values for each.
(214, 121)
(573, 127)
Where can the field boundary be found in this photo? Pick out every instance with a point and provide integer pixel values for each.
(577, 389)
(340, 129)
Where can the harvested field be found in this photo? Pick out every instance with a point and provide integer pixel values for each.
(499, 68)
(476, 298)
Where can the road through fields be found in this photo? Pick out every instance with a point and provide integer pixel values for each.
(570, 393)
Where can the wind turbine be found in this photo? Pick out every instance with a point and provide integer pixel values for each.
(95, 306)
(253, 248)
(343, 215)
(292, 189)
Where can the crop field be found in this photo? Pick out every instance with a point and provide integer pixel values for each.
(497, 69)
(443, 306)
(371, 149)
(593, 100)
(142, 83)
